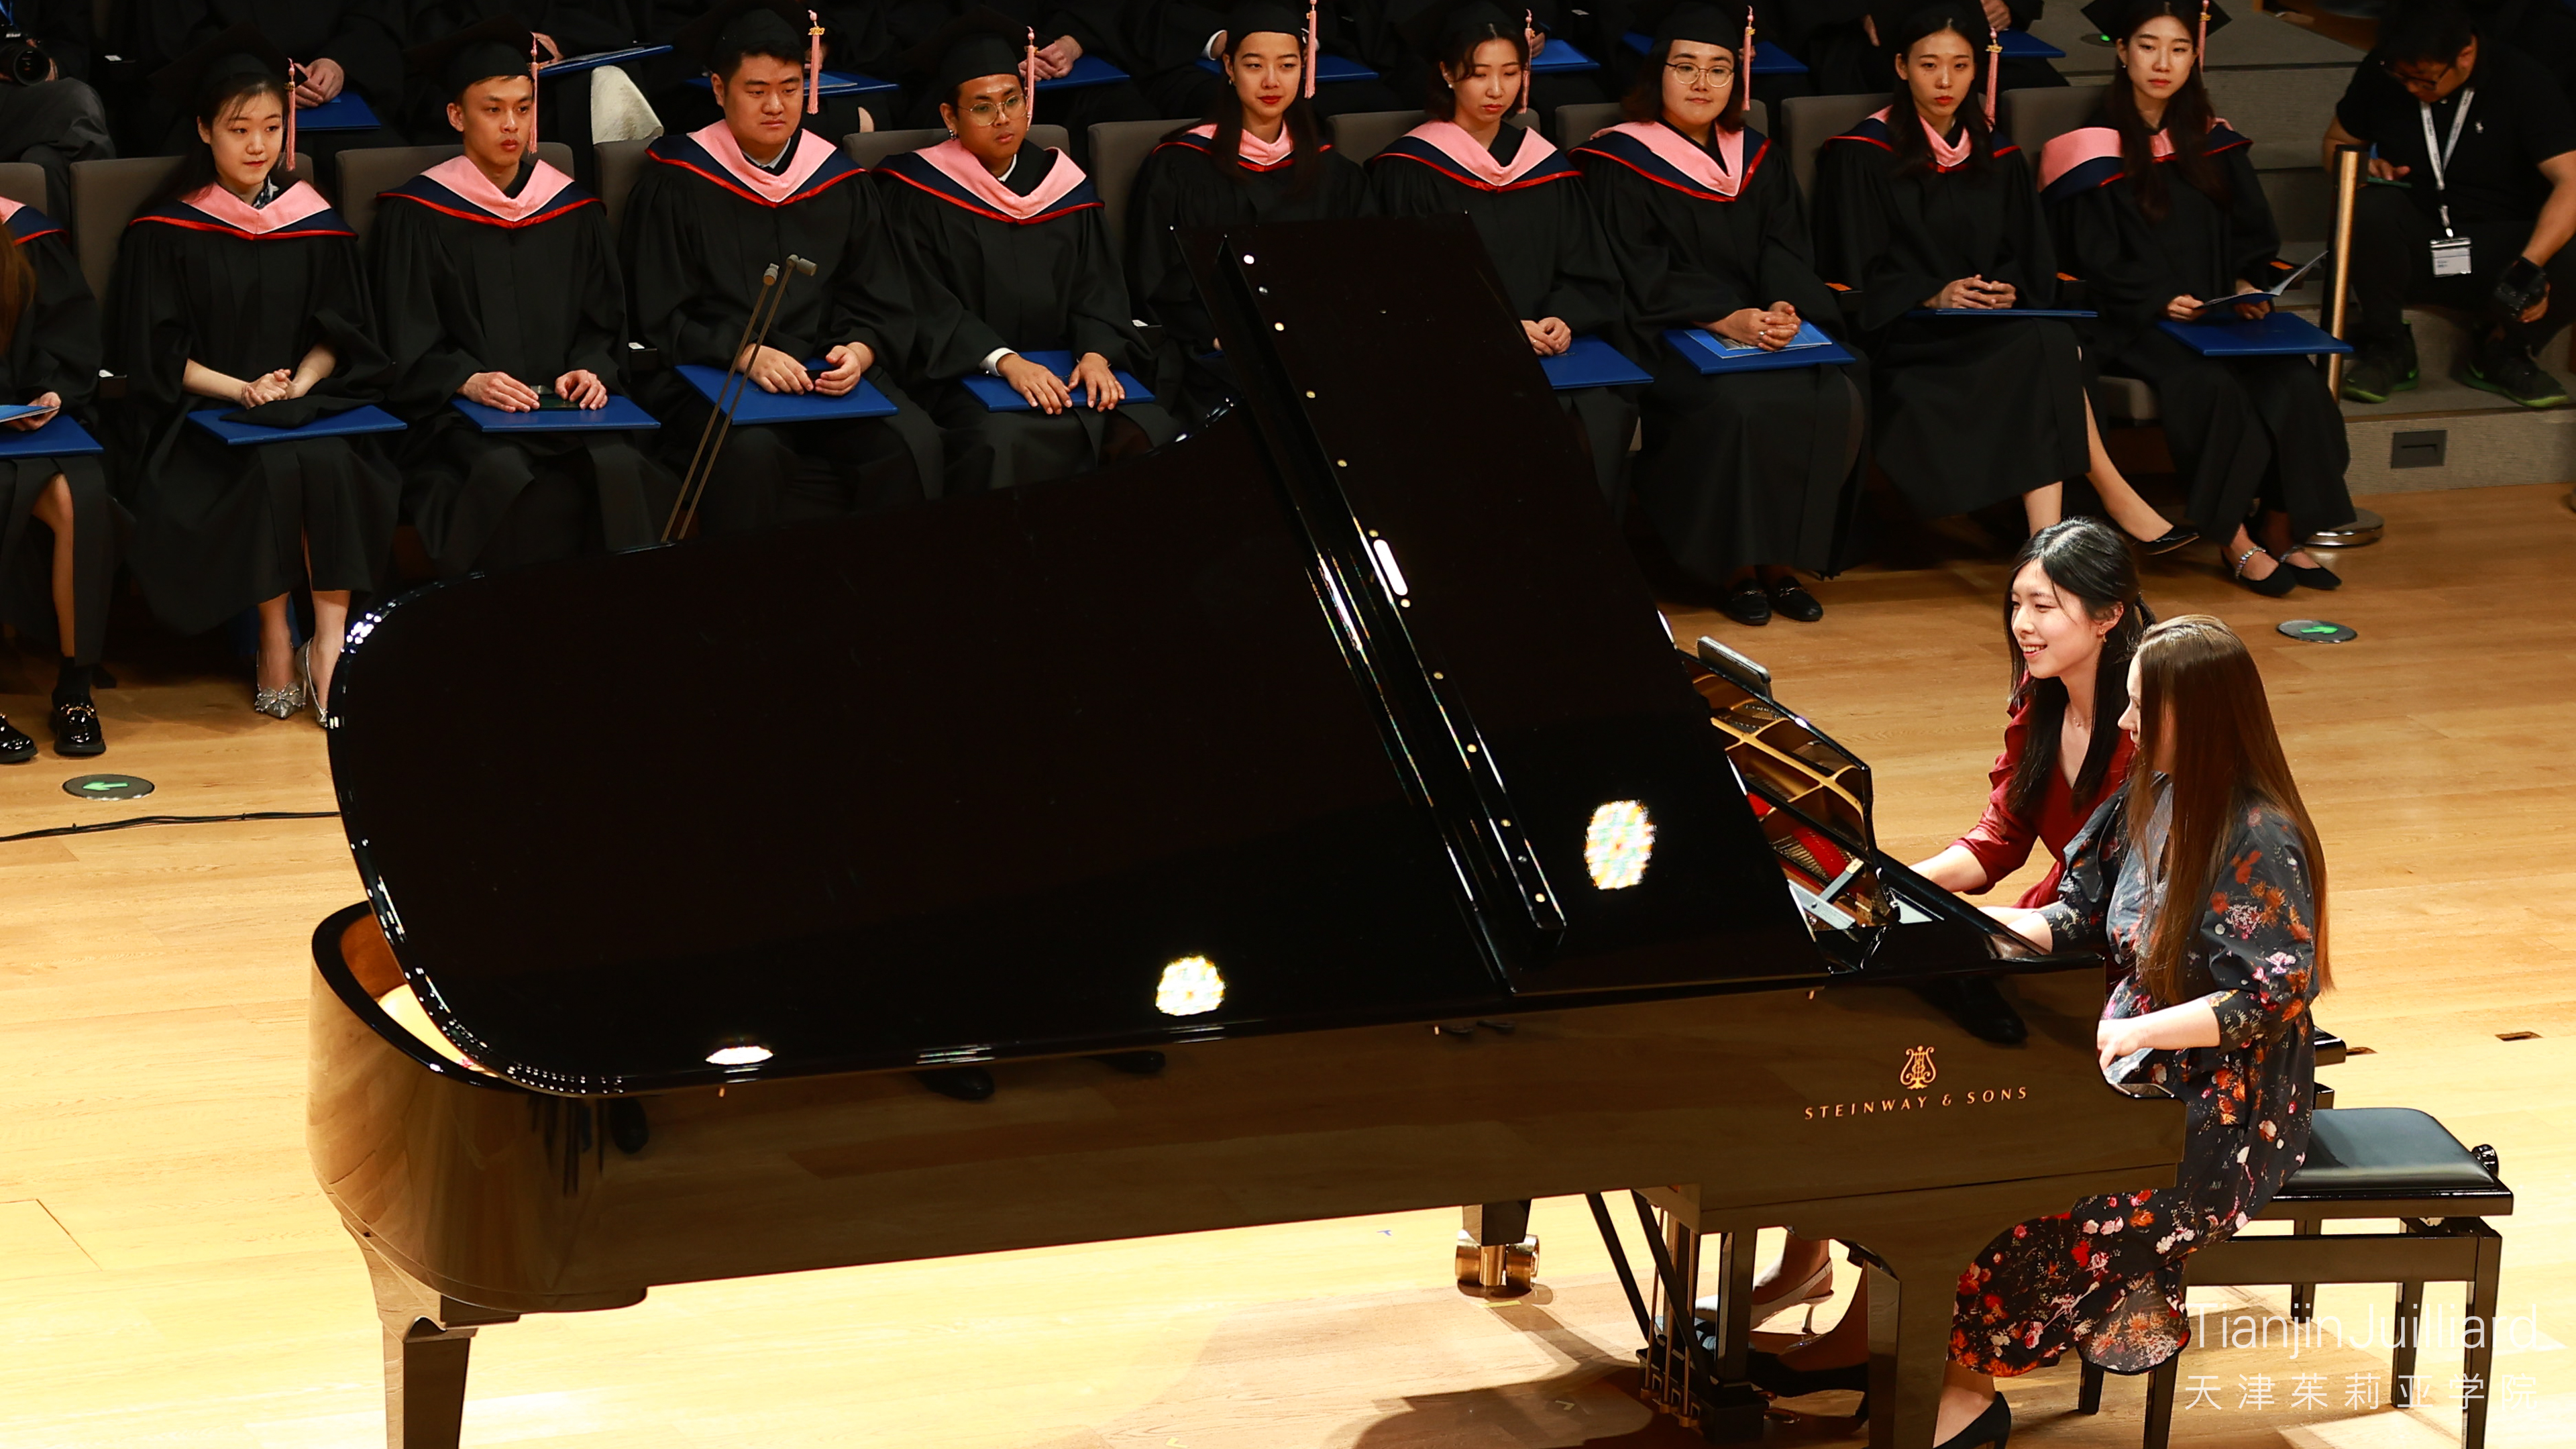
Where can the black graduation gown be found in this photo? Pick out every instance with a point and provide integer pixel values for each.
(365, 38)
(577, 27)
(1548, 248)
(55, 349)
(1100, 26)
(1186, 186)
(865, 38)
(2242, 427)
(461, 291)
(696, 241)
(1967, 412)
(218, 529)
(1739, 468)
(1050, 281)
(1169, 41)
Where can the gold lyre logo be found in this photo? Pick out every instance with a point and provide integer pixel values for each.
(1918, 1071)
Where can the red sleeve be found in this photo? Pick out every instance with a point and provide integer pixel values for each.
(2000, 841)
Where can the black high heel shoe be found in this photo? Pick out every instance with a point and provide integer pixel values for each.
(1778, 1379)
(1994, 1427)
(2273, 585)
(2181, 535)
(2319, 577)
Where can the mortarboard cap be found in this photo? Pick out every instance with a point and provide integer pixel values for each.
(735, 28)
(500, 46)
(1258, 17)
(242, 50)
(1692, 20)
(1431, 27)
(981, 42)
(2120, 19)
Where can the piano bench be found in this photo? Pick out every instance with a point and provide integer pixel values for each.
(2367, 1162)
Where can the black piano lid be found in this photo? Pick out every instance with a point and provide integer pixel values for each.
(1151, 754)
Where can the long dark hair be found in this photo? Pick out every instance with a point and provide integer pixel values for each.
(1645, 98)
(2187, 121)
(1913, 151)
(196, 168)
(2090, 562)
(1459, 56)
(1305, 171)
(2196, 678)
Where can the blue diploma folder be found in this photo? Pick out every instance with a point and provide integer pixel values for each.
(2022, 45)
(1591, 362)
(754, 407)
(576, 64)
(2276, 334)
(619, 415)
(1328, 69)
(1768, 59)
(998, 396)
(1710, 353)
(369, 419)
(347, 111)
(1557, 58)
(2001, 313)
(1091, 70)
(61, 438)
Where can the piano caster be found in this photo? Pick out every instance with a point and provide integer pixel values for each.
(966, 1084)
(1496, 1270)
(1134, 1064)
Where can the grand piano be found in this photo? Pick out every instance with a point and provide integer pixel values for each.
(1313, 818)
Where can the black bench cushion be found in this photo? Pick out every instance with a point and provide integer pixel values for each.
(2385, 1152)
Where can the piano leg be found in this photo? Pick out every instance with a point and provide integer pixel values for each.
(428, 1337)
(1497, 1256)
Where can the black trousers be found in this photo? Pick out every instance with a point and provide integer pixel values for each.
(2246, 430)
(53, 124)
(2392, 265)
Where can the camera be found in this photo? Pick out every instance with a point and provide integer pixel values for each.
(22, 61)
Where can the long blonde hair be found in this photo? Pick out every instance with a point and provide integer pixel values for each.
(2196, 678)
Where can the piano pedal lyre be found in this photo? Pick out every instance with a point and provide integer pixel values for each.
(1497, 1254)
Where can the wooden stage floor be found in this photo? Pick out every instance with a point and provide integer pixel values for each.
(170, 1276)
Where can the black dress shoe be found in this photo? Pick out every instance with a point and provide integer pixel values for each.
(76, 732)
(1745, 603)
(2181, 535)
(2319, 577)
(15, 747)
(1994, 1427)
(1789, 597)
(2273, 585)
(1777, 1378)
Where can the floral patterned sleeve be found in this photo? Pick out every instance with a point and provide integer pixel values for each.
(2075, 918)
(2258, 933)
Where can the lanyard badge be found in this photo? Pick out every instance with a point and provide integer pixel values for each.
(2450, 251)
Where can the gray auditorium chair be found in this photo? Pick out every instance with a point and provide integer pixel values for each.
(1118, 152)
(871, 148)
(382, 168)
(2037, 115)
(1360, 135)
(620, 162)
(1576, 124)
(1811, 121)
(24, 183)
(2364, 1163)
(107, 194)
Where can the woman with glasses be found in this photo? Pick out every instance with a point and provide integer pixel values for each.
(1745, 474)
(2156, 205)
(1012, 258)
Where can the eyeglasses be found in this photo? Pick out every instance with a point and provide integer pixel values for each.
(1690, 75)
(985, 113)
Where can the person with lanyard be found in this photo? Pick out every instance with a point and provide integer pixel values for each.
(1526, 199)
(56, 581)
(2476, 148)
(1923, 209)
(1745, 475)
(497, 283)
(2156, 205)
(239, 291)
(1014, 258)
(711, 212)
(1259, 157)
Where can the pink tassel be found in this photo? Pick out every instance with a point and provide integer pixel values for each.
(1029, 80)
(813, 64)
(1744, 69)
(1312, 59)
(1529, 44)
(1994, 64)
(294, 77)
(2200, 44)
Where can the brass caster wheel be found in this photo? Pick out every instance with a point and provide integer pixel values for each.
(1503, 1270)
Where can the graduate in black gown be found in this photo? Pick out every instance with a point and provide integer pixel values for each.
(1923, 206)
(54, 578)
(863, 38)
(1527, 201)
(496, 282)
(1259, 157)
(351, 47)
(1063, 32)
(242, 294)
(563, 29)
(1413, 71)
(1013, 235)
(1744, 474)
(1181, 48)
(2156, 205)
(710, 212)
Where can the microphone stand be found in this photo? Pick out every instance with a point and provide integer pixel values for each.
(738, 375)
